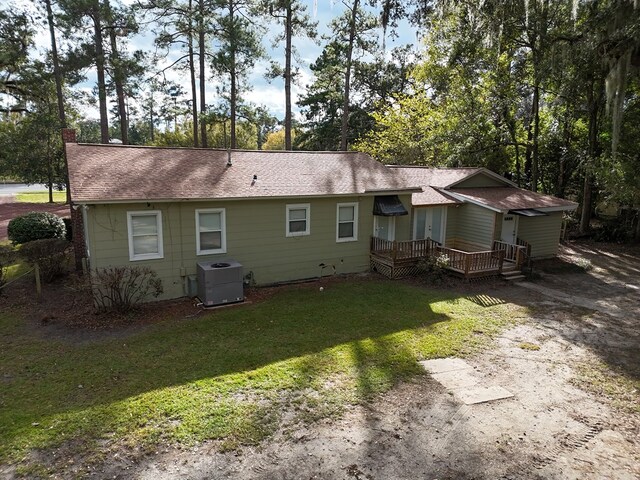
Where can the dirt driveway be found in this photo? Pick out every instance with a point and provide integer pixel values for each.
(9, 209)
(571, 415)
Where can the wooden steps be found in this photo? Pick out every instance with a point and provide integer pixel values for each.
(511, 274)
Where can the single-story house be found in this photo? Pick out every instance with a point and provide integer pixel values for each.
(287, 216)
(284, 216)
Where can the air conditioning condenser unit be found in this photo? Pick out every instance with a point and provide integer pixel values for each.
(220, 282)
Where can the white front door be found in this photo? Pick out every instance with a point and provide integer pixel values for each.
(509, 231)
(429, 223)
(384, 227)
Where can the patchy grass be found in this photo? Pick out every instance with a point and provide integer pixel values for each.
(41, 197)
(229, 374)
(529, 346)
(16, 270)
(621, 388)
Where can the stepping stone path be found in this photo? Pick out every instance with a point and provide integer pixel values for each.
(460, 377)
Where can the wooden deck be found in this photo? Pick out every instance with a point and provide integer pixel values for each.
(400, 259)
(474, 264)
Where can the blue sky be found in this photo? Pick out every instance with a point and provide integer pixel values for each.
(263, 93)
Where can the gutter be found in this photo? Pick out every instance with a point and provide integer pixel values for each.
(367, 193)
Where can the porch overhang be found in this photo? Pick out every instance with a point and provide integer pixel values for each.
(388, 206)
(528, 212)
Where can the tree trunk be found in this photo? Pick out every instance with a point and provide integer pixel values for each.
(50, 170)
(152, 127)
(585, 217)
(593, 97)
(192, 72)
(202, 59)
(232, 74)
(119, 82)
(347, 77)
(287, 78)
(233, 106)
(58, 78)
(536, 135)
(102, 90)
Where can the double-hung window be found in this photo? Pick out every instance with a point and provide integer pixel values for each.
(298, 220)
(347, 222)
(211, 235)
(145, 235)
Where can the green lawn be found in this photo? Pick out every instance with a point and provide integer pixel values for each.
(230, 373)
(40, 197)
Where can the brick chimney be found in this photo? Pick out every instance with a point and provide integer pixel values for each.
(69, 135)
(77, 225)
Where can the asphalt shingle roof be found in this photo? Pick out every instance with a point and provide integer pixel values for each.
(434, 182)
(429, 178)
(510, 198)
(103, 173)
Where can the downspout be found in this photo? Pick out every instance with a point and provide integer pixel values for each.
(85, 227)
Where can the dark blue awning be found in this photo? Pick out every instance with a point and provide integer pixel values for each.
(388, 206)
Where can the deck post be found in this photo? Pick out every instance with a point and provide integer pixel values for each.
(467, 265)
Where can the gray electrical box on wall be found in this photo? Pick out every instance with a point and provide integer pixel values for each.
(220, 282)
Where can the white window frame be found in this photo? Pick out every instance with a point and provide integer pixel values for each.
(353, 238)
(298, 206)
(223, 231)
(145, 256)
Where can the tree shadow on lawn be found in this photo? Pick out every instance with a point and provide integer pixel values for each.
(298, 339)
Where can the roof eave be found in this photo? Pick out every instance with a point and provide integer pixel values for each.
(464, 199)
(558, 208)
(366, 193)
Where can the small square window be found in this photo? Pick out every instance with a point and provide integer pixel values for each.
(145, 235)
(347, 222)
(298, 220)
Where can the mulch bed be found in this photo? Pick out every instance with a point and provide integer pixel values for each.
(65, 309)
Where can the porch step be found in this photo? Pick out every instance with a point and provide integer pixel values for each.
(513, 275)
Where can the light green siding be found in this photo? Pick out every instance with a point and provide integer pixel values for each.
(256, 237)
(543, 233)
(404, 229)
(470, 227)
(481, 180)
(451, 226)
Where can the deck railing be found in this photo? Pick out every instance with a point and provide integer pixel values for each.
(471, 263)
(517, 253)
(403, 250)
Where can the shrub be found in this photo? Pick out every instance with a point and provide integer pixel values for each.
(584, 263)
(49, 253)
(7, 258)
(122, 288)
(434, 268)
(35, 226)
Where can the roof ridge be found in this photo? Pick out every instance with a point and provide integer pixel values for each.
(433, 168)
(246, 150)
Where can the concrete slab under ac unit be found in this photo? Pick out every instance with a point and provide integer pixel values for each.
(442, 365)
(471, 396)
